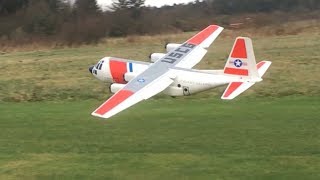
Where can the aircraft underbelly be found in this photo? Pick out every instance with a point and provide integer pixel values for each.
(187, 85)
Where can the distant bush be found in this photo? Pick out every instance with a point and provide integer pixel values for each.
(31, 21)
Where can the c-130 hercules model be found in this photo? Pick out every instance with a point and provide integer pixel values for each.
(172, 73)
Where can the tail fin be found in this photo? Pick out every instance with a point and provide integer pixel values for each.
(242, 61)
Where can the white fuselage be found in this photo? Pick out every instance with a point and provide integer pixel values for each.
(186, 81)
(191, 82)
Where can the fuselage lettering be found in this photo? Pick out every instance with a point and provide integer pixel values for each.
(178, 53)
(183, 50)
(187, 45)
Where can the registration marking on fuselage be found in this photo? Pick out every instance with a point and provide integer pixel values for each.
(178, 53)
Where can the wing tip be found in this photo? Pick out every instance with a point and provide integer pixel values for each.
(105, 109)
(99, 115)
(205, 33)
(226, 98)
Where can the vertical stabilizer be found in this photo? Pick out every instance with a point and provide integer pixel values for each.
(241, 61)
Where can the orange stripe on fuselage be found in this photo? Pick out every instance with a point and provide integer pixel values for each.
(203, 35)
(239, 50)
(115, 100)
(118, 69)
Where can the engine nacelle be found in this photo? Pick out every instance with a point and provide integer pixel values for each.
(171, 46)
(156, 56)
(115, 87)
(129, 76)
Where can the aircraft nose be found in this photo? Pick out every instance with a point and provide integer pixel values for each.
(90, 69)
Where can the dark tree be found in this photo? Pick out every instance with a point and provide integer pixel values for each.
(86, 7)
(132, 6)
(41, 16)
(127, 4)
(11, 6)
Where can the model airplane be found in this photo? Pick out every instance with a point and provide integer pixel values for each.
(171, 73)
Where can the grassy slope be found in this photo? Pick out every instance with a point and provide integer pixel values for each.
(63, 73)
(270, 132)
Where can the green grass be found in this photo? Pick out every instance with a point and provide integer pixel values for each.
(272, 131)
(163, 139)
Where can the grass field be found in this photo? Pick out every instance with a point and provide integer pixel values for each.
(270, 132)
(163, 139)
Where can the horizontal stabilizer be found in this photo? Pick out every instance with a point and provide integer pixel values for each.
(236, 88)
(262, 67)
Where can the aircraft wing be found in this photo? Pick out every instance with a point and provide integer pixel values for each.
(139, 89)
(159, 75)
(199, 43)
(206, 37)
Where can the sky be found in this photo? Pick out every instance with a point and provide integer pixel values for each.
(157, 3)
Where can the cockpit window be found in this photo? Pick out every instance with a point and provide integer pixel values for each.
(99, 65)
(95, 71)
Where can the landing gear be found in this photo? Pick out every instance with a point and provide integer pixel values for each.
(186, 91)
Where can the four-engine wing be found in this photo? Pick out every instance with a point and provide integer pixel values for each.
(158, 76)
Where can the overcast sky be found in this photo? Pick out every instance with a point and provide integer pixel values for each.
(157, 3)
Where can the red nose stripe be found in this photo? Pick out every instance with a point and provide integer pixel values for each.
(239, 50)
(234, 71)
(203, 35)
(232, 87)
(118, 69)
(115, 100)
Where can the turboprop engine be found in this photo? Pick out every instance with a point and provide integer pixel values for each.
(171, 46)
(115, 87)
(156, 56)
(129, 76)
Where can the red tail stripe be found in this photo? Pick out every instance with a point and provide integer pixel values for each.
(260, 64)
(203, 35)
(231, 88)
(118, 69)
(115, 100)
(239, 50)
(234, 71)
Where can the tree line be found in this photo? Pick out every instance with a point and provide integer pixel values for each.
(84, 21)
